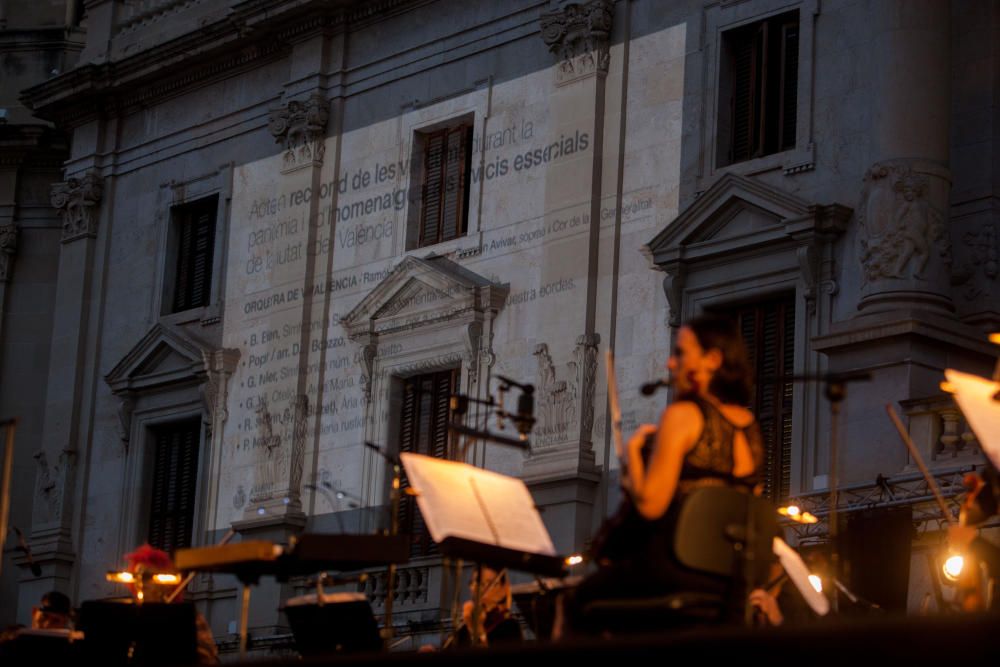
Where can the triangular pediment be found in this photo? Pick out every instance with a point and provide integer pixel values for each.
(735, 209)
(165, 355)
(420, 291)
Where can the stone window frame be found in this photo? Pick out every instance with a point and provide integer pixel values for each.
(397, 341)
(414, 197)
(720, 17)
(148, 414)
(176, 193)
(793, 254)
(166, 377)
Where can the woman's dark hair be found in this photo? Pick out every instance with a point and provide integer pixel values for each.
(731, 383)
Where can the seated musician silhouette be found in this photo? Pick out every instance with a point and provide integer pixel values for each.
(149, 559)
(705, 438)
(496, 624)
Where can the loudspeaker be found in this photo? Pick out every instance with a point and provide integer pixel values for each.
(875, 549)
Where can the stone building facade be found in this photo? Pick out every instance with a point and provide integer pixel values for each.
(237, 257)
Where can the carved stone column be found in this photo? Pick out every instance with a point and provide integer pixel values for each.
(300, 128)
(903, 235)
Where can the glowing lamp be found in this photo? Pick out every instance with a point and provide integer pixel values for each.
(952, 567)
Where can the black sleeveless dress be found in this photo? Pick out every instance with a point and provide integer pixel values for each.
(643, 563)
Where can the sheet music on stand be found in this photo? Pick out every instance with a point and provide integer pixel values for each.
(975, 398)
(479, 515)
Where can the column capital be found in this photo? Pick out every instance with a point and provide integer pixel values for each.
(579, 34)
(78, 202)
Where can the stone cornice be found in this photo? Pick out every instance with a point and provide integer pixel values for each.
(253, 30)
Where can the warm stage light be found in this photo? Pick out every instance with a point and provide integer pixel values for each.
(795, 513)
(953, 567)
(167, 579)
(120, 577)
(947, 387)
(995, 338)
(575, 559)
(816, 582)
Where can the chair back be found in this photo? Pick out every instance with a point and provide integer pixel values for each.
(726, 532)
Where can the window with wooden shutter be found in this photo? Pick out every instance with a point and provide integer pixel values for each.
(424, 416)
(768, 330)
(758, 89)
(195, 233)
(174, 484)
(444, 208)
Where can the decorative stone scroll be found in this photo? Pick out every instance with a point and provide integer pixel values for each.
(219, 367)
(8, 246)
(300, 127)
(578, 33)
(78, 201)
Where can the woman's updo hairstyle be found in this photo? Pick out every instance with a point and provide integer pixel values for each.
(731, 382)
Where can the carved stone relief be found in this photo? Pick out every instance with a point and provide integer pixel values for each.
(585, 355)
(77, 200)
(280, 455)
(368, 354)
(981, 250)
(8, 246)
(299, 439)
(556, 400)
(901, 229)
(578, 33)
(300, 127)
(50, 486)
(270, 456)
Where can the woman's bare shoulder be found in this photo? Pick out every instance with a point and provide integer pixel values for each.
(684, 417)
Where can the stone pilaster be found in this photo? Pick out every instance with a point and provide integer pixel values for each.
(77, 199)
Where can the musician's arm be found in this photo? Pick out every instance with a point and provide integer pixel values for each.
(654, 488)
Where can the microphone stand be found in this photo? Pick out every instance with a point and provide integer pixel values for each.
(835, 390)
(394, 499)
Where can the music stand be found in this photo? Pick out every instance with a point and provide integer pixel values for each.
(122, 633)
(481, 516)
(332, 623)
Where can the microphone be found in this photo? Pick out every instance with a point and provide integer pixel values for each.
(36, 569)
(525, 417)
(650, 388)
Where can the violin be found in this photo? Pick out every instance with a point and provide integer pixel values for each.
(969, 587)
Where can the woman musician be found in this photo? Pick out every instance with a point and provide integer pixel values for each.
(705, 437)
